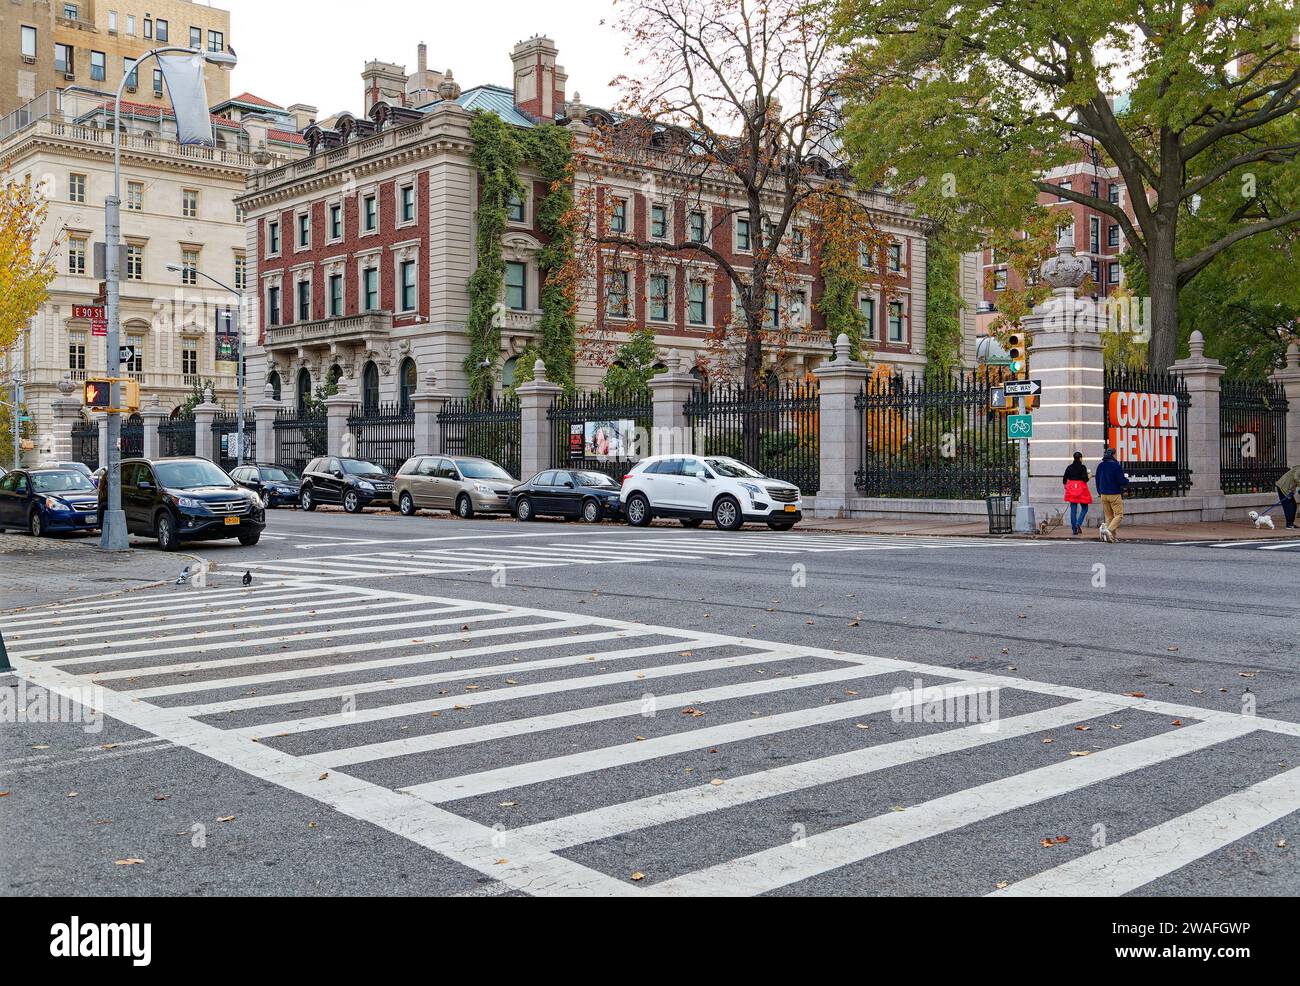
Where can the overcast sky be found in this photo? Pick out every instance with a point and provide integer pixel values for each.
(312, 51)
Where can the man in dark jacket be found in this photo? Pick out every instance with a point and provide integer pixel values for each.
(1286, 494)
(1111, 481)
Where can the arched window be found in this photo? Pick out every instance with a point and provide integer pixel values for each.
(370, 387)
(508, 369)
(304, 389)
(336, 374)
(274, 381)
(407, 379)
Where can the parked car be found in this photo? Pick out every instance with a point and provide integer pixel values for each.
(80, 467)
(46, 499)
(278, 486)
(354, 483)
(697, 488)
(581, 493)
(185, 498)
(464, 484)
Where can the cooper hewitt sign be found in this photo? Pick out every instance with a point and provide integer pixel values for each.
(1143, 427)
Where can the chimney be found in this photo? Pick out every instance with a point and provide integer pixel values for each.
(385, 83)
(539, 82)
(422, 87)
(303, 116)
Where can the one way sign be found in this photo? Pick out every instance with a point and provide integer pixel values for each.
(1023, 388)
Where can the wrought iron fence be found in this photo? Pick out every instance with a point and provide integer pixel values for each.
(85, 443)
(774, 429)
(1252, 435)
(603, 431)
(383, 434)
(132, 439)
(300, 435)
(223, 426)
(176, 435)
(935, 438)
(488, 428)
(1146, 424)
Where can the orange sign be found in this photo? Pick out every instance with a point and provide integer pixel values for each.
(1143, 427)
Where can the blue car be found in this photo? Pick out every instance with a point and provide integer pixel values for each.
(44, 501)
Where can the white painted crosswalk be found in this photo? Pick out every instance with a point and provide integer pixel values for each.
(596, 549)
(546, 750)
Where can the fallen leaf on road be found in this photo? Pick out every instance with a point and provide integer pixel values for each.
(1083, 729)
(638, 876)
(855, 622)
(226, 818)
(1171, 648)
(323, 776)
(107, 746)
(505, 804)
(1048, 739)
(162, 797)
(41, 746)
(1059, 840)
(716, 782)
(502, 862)
(1281, 843)
(691, 711)
(4, 794)
(639, 739)
(898, 808)
(461, 707)
(860, 725)
(1002, 884)
(1247, 674)
(1136, 694)
(1177, 722)
(1079, 753)
(132, 861)
(311, 825)
(72, 794)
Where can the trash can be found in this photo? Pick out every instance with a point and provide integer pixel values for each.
(999, 513)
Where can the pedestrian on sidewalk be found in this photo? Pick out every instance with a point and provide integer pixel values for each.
(1111, 483)
(1286, 493)
(1077, 496)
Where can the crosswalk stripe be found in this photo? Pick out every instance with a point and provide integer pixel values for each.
(534, 724)
(1123, 866)
(780, 866)
(129, 606)
(554, 768)
(671, 806)
(352, 648)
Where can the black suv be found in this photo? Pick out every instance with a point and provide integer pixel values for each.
(355, 483)
(185, 499)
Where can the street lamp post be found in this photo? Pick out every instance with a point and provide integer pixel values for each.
(239, 371)
(113, 532)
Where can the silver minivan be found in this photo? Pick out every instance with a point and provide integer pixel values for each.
(463, 484)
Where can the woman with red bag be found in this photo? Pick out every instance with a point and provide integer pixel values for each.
(1076, 492)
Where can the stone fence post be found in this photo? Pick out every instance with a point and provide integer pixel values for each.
(154, 414)
(1289, 378)
(426, 403)
(669, 393)
(338, 440)
(66, 411)
(264, 415)
(534, 428)
(1202, 376)
(840, 440)
(204, 415)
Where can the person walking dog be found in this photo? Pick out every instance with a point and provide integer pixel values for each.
(1077, 496)
(1286, 493)
(1111, 483)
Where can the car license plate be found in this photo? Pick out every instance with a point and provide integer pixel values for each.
(232, 521)
(789, 508)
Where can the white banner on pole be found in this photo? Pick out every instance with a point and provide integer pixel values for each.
(189, 93)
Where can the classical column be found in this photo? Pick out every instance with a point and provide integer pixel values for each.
(669, 393)
(426, 403)
(1066, 356)
(840, 441)
(534, 428)
(1289, 378)
(337, 409)
(204, 415)
(264, 414)
(1202, 376)
(154, 414)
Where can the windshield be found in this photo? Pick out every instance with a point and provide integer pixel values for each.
(60, 482)
(190, 475)
(278, 475)
(360, 467)
(595, 479)
(732, 469)
(481, 469)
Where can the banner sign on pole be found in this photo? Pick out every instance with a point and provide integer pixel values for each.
(227, 348)
(97, 316)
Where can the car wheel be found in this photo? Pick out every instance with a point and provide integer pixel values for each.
(464, 507)
(406, 505)
(524, 509)
(691, 522)
(591, 511)
(165, 532)
(248, 540)
(727, 515)
(306, 501)
(36, 524)
(780, 525)
(638, 510)
(351, 502)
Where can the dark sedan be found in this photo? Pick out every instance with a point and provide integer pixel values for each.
(47, 500)
(278, 486)
(581, 493)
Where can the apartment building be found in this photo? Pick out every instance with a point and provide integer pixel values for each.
(178, 207)
(53, 44)
(362, 252)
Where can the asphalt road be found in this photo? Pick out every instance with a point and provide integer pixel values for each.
(430, 706)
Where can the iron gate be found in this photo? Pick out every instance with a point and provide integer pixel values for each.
(601, 431)
(383, 434)
(223, 426)
(132, 439)
(1252, 435)
(489, 428)
(85, 443)
(1146, 423)
(176, 435)
(773, 429)
(301, 436)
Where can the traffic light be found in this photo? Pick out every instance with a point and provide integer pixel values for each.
(96, 393)
(1018, 352)
(130, 394)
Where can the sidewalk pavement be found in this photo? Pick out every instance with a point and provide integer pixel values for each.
(1216, 531)
(39, 571)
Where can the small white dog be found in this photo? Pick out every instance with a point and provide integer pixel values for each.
(1104, 532)
(1261, 520)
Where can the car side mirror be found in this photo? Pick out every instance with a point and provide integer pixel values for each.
(701, 475)
(569, 483)
(144, 484)
(337, 473)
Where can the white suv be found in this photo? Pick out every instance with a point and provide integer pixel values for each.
(695, 488)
